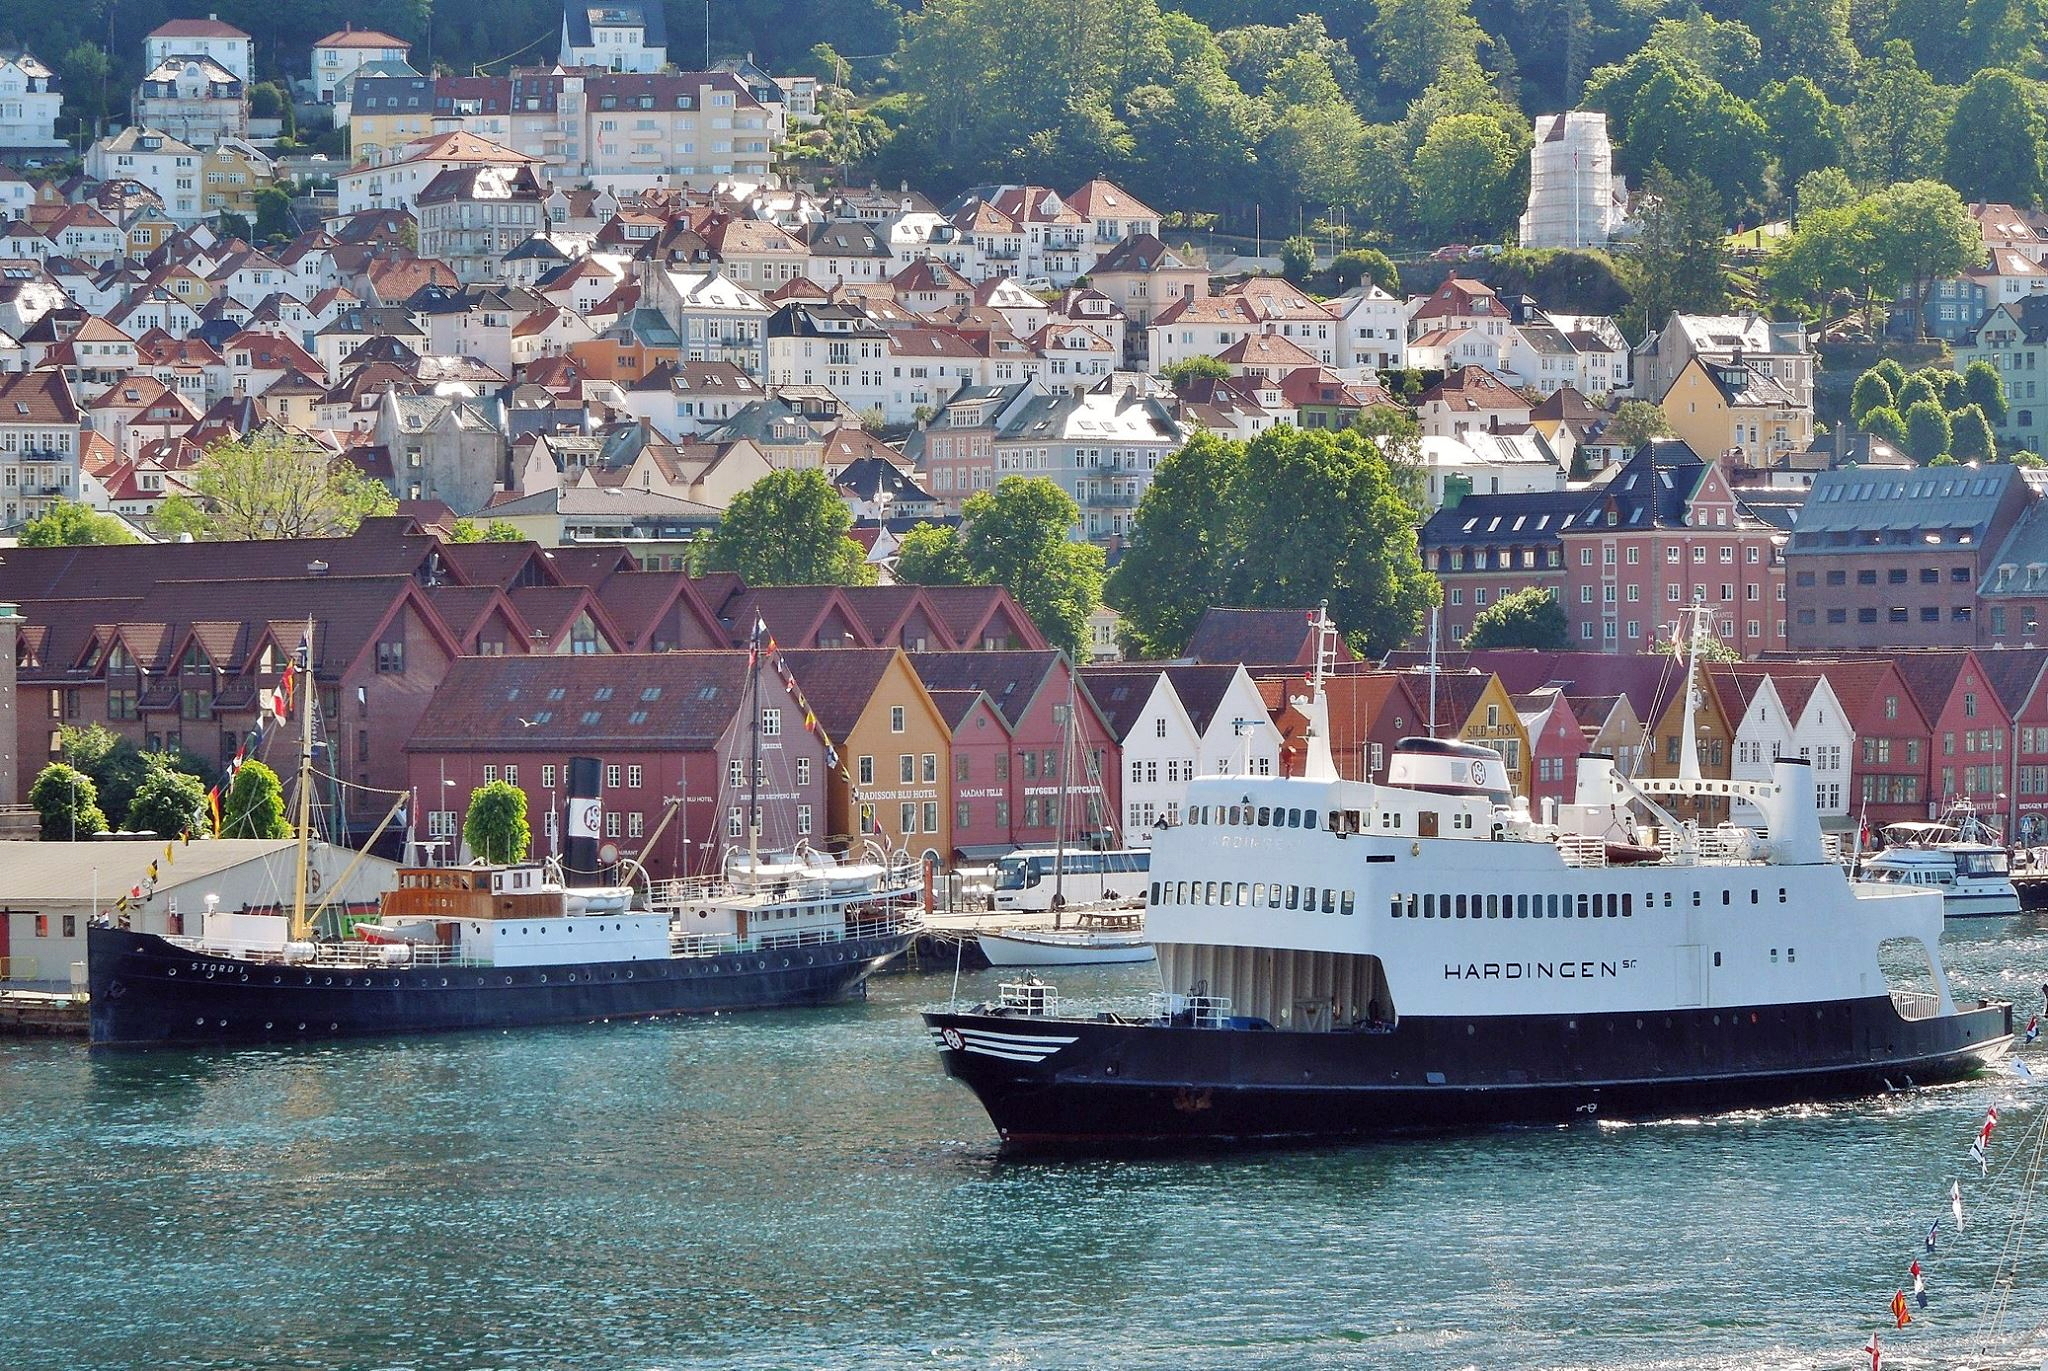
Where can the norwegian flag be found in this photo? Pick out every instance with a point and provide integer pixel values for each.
(1870, 1349)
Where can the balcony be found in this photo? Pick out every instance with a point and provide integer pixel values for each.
(1099, 498)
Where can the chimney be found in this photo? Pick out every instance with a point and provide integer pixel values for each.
(584, 820)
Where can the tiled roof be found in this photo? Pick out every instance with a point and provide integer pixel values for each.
(839, 682)
(665, 700)
(1011, 679)
(1266, 637)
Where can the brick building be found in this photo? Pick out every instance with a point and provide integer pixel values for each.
(1893, 559)
(670, 729)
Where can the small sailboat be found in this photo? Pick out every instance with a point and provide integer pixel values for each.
(1068, 946)
(1100, 936)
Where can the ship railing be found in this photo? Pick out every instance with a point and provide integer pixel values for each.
(881, 925)
(1916, 1004)
(353, 953)
(1028, 997)
(1192, 1011)
(1581, 849)
(681, 892)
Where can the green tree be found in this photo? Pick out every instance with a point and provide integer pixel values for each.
(1828, 252)
(1897, 123)
(1469, 178)
(167, 803)
(1927, 432)
(1417, 39)
(930, 555)
(1994, 141)
(70, 524)
(254, 804)
(274, 213)
(1675, 262)
(1297, 259)
(65, 803)
(1359, 265)
(495, 827)
(1184, 545)
(1827, 188)
(1805, 37)
(495, 531)
(117, 767)
(1324, 522)
(1892, 370)
(1204, 368)
(83, 72)
(1871, 391)
(1887, 423)
(1530, 617)
(1919, 389)
(1970, 436)
(1667, 114)
(1985, 389)
(272, 484)
(1807, 133)
(788, 529)
(1920, 231)
(1723, 51)
(1636, 423)
(1016, 536)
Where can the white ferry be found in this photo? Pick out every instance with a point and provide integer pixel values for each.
(1340, 958)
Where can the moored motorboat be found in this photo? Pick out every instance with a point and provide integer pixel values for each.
(1961, 857)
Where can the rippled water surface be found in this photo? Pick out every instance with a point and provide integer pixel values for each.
(806, 1189)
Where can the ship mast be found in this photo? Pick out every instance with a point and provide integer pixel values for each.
(1689, 744)
(754, 756)
(304, 669)
(1059, 838)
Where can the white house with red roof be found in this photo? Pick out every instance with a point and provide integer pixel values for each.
(208, 38)
(336, 57)
(1112, 214)
(1471, 400)
(397, 182)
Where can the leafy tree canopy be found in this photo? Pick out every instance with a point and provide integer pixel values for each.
(788, 529)
(496, 828)
(70, 524)
(273, 485)
(1016, 536)
(1530, 617)
(66, 804)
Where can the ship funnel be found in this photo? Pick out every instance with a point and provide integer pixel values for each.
(579, 854)
(1596, 783)
(1792, 816)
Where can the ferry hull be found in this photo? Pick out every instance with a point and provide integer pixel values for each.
(1054, 1083)
(148, 992)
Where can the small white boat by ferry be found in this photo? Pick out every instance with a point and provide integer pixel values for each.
(1960, 857)
(1114, 937)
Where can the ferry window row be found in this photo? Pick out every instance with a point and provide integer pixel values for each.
(1257, 894)
(1520, 906)
(1273, 816)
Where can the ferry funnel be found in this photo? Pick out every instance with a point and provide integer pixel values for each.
(579, 854)
(1791, 816)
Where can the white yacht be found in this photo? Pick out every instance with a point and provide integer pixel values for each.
(1961, 857)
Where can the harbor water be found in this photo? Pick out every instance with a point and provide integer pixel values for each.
(805, 1189)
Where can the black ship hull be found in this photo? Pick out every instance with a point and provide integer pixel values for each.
(1059, 1083)
(148, 992)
